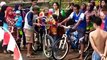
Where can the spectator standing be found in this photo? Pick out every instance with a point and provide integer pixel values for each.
(28, 28)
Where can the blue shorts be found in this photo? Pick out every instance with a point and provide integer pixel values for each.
(96, 56)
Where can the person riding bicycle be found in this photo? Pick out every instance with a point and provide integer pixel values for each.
(80, 25)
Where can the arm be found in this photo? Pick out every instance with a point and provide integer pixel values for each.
(75, 26)
(105, 51)
(93, 44)
(30, 18)
(67, 19)
(81, 18)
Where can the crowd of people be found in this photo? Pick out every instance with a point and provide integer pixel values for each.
(87, 17)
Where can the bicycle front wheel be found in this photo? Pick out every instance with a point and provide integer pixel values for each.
(47, 46)
(60, 49)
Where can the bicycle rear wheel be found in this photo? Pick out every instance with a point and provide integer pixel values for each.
(47, 46)
(60, 49)
(88, 57)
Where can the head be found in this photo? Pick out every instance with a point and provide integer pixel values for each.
(9, 12)
(83, 6)
(97, 22)
(90, 7)
(36, 9)
(102, 15)
(33, 3)
(55, 5)
(2, 3)
(104, 9)
(18, 13)
(92, 3)
(50, 11)
(76, 8)
(103, 3)
(71, 5)
(20, 7)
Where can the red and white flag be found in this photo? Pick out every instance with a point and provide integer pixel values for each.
(12, 46)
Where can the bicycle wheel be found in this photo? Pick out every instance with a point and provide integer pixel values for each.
(60, 49)
(35, 45)
(47, 46)
(88, 57)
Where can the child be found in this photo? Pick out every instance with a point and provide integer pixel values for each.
(18, 25)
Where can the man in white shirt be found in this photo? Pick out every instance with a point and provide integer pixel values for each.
(28, 28)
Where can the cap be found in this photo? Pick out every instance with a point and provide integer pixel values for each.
(17, 12)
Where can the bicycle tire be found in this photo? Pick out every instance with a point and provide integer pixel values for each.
(47, 49)
(57, 50)
(88, 56)
(35, 45)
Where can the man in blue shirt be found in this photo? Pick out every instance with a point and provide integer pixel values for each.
(80, 25)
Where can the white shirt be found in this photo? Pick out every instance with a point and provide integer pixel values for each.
(81, 17)
(26, 25)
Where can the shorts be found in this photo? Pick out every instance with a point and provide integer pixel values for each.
(81, 34)
(29, 36)
(96, 56)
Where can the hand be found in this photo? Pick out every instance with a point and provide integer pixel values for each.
(66, 27)
(38, 24)
(59, 24)
(74, 27)
(103, 58)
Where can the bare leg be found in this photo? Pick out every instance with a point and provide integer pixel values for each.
(28, 49)
(82, 50)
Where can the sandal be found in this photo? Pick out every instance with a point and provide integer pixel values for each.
(29, 56)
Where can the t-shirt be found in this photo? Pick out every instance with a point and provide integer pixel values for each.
(78, 17)
(90, 26)
(105, 25)
(29, 21)
(5, 26)
(19, 21)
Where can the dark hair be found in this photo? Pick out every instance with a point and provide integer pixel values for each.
(105, 1)
(91, 8)
(85, 6)
(55, 17)
(3, 8)
(93, 3)
(104, 8)
(97, 20)
(17, 5)
(71, 4)
(56, 4)
(36, 8)
(77, 6)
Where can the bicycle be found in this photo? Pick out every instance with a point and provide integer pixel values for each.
(45, 40)
(47, 43)
(61, 46)
(38, 37)
(88, 49)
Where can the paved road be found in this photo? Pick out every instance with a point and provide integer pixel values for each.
(38, 56)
